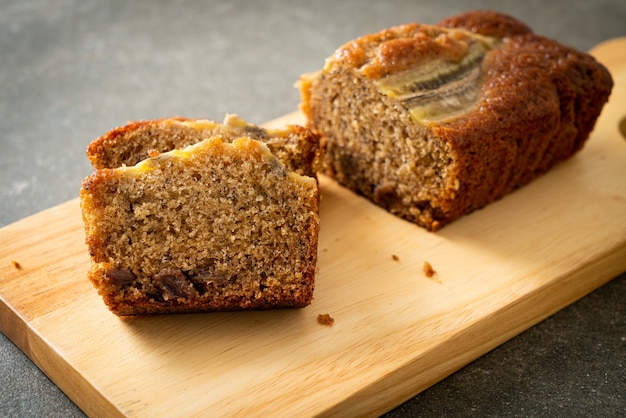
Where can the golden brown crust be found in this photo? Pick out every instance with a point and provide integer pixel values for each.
(539, 103)
(102, 152)
(488, 23)
(398, 48)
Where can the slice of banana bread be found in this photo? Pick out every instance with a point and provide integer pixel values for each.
(294, 145)
(434, 122)
(218, 225)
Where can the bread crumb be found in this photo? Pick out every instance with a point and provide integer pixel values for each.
(325, 319)
(16, 265)
(428, 269)
(153, 153)
(395, 257)
(622, 127)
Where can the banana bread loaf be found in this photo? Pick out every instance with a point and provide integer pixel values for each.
(434, 122)
(218, 225)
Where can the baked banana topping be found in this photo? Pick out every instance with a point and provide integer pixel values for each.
(441, 87)
(434, 72)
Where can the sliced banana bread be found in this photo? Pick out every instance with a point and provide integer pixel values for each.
(218, 225)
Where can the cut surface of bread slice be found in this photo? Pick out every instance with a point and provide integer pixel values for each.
(215, 226)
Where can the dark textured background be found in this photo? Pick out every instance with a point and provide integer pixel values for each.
(72, 70)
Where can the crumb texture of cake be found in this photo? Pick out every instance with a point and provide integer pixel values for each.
(215, 226)
(432, 122)
(296, 146)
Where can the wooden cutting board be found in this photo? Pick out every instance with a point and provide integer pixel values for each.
(396, 332)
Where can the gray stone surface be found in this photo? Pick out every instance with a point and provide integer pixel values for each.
(71, 70)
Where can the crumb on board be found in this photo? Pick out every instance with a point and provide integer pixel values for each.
(428, 269)
(325, 319)
(395, 257)
(16, 265)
